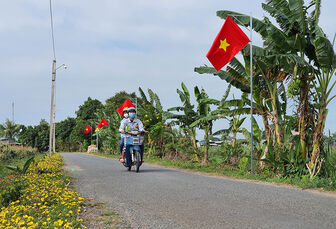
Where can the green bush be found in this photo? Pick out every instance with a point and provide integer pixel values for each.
(11, 188)
(243, 164)
(10, 153)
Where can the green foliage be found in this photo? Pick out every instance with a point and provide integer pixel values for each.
(109, 136)
(151, 113)
(329, 166)
(10, 153)
(11, 188)
(42, 136)
(88, 109)
(63, 132)
(77, 135)
(243, 162)
(226, 154)
(27, 136)
(25, 167)
(114, 102)
(9, 129)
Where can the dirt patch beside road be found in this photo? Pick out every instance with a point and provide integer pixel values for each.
(99, 215)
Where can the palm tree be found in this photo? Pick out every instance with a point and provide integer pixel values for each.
(9, 129)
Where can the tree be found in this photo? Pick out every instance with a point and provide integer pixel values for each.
(42, 136)
(27, 136)
(185, 119)
(63, 132)
(323, 87)
(78, 136)
(150, 111)
(88, 109)
(9, 129)
(114, 102)
(204, 119)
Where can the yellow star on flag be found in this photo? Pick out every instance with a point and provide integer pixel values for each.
(223, 44)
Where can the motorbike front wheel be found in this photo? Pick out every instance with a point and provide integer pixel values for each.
(137, 161)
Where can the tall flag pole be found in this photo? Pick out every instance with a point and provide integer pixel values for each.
(251, 93)
(228, 42)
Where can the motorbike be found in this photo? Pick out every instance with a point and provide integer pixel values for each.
(135, 140)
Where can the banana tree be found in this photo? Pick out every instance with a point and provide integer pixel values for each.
(205, 119)
(323, 87)
(187, 117)
(265, 91)
(297, 30)
(150, 111)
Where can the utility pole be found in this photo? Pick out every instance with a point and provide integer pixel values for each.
(52, 105)
(54, 130)
(13, 111)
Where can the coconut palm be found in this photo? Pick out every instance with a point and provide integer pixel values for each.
(9, 129)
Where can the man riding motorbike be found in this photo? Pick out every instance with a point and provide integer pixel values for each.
(131, 123)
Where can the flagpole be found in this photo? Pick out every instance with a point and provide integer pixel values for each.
(251, 83)
(97, 140)
(251, 93)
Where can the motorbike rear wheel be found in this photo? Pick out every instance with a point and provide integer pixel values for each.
(137, 161)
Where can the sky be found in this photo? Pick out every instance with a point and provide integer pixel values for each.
(110, 46)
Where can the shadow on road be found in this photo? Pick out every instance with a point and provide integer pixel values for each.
(150, 170)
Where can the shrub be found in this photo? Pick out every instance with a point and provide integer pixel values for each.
(11, 188)
(10, 153)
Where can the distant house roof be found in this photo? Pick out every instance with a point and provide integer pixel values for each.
(9, 141)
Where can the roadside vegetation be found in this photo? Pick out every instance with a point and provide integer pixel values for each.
(34, 191)
(293, 81)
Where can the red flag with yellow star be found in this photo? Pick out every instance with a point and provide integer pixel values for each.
(87, 129)
(126, 104)
(229, 41)
(102, 123)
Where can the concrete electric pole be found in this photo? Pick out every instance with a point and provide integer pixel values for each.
(51, 139)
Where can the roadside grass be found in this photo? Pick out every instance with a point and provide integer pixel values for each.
(304, 182)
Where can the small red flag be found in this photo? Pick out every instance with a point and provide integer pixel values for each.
(229, 41)
(127, 104)
(102, 123)
(87, 129)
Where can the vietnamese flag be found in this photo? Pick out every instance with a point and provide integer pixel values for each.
(126, 104)
(229, 41)
(102, 123)
(87, 129)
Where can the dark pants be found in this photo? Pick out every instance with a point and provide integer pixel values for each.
(121, 144)
(128, 155)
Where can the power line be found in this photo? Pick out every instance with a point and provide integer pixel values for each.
(52, 30)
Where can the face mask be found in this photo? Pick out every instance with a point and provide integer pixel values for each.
(132, 115)
(125, 115)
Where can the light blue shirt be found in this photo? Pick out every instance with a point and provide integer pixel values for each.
(127, 124)
(121, 134)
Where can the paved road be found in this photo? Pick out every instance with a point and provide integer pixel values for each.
(166, 198)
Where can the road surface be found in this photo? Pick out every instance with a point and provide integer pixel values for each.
(166, 198)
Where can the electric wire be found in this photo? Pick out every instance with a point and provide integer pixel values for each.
(52, 29)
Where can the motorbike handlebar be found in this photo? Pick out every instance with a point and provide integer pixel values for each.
(136, 132)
